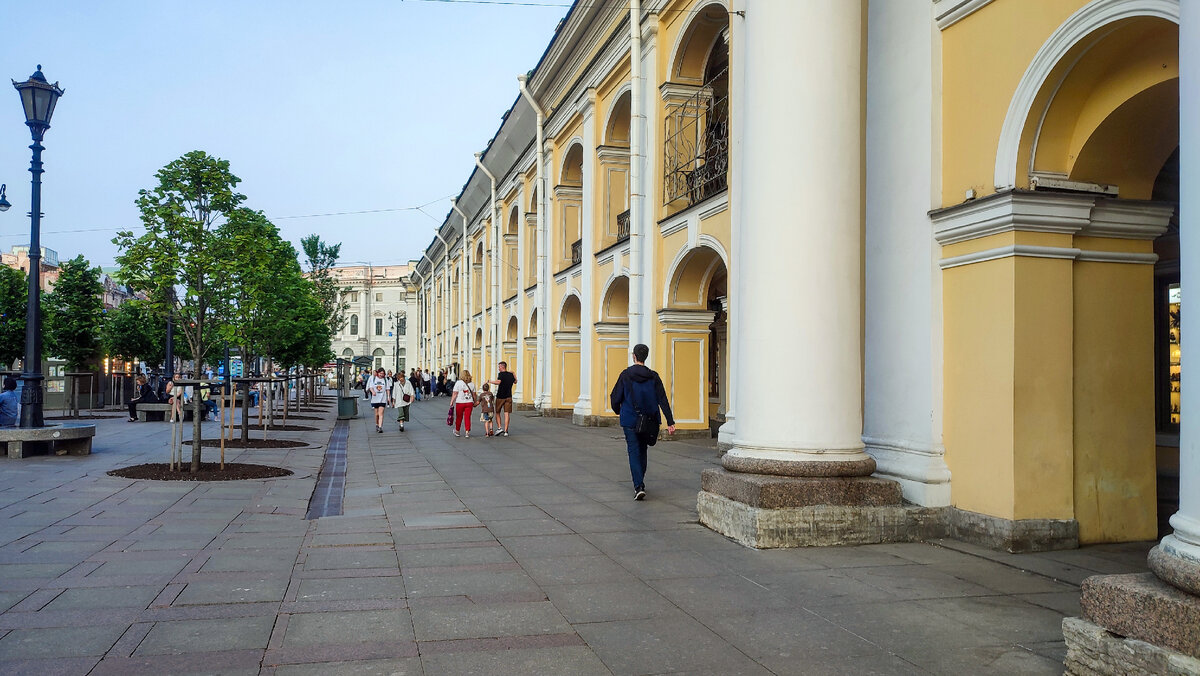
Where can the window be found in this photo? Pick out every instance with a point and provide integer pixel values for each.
(354, 325)
(353, 296)
(379, 298)
(1168, 353)
(379, 327)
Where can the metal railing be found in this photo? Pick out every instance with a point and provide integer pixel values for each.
(623, 225)
(577, 252)
(696, 165)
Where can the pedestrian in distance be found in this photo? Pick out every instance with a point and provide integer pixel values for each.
(402, 396)
(487, 402)
(377, 391)
(464, 398)
(638, 396)
(426, 379)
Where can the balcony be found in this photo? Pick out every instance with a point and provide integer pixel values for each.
(623, 225)
(696, 162)
(577, 252)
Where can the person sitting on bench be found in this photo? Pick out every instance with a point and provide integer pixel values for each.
(146, 395)
(9, 401)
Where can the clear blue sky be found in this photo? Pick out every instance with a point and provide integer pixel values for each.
(319, 106)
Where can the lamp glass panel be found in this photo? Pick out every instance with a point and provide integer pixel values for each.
(27, 103)
(50, 112)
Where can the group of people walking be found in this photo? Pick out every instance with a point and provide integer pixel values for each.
(638, 397)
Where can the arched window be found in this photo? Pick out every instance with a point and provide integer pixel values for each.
(354, 325)
(697, 124)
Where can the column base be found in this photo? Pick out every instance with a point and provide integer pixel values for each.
(1176, 570)
(595, 420)
(1092, 650)
(769, 511)
(798, 467)
(1133, 624)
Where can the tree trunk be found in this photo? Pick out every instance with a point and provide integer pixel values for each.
(197, 405)
(245, 415)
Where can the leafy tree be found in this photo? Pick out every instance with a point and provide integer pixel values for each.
(181, 251)
(322, 258)
(135, 331)
(14, 290)
(75, 314)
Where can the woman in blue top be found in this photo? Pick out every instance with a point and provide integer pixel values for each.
(9, 403)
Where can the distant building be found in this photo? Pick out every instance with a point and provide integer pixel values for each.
(382, 310)
(18, 259)
(116, 293)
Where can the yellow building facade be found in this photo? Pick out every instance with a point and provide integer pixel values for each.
(933, 243)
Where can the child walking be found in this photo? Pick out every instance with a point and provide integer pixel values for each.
(487, 408)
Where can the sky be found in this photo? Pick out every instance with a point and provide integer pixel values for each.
(320, 108)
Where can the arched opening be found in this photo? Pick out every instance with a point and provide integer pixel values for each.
(511, 263)
(613, 334)
(377, 356)
(568, 195)
(614, 173)
(698, 292)
(477, 266)
(531, 239)
(533, 323)
(354, 325)
(696, 137)
(1104, 121)
(615, 307)
(616, 130)
(566, 364)
(510, 334)
(570, 315)
(348, 353)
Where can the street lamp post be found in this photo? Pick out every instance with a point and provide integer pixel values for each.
(399, 322)
(38, 98)
(4, 204)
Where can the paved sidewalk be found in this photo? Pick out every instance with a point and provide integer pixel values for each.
(521, 555)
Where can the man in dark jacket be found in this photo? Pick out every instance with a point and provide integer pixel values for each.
(639, 392)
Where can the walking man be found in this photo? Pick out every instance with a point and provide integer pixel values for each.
(638, 396)
(505, 381)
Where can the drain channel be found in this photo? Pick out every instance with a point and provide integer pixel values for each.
(326, 499)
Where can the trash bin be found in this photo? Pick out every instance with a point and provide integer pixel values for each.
(347, 407)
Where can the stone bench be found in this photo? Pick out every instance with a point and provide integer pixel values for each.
(60, 438)
(143, 409)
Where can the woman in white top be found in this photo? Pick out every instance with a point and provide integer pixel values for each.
(402, 396)
(378, 391)
(464, 401)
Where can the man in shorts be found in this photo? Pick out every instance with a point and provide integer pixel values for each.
(378, 392)
(505, 381)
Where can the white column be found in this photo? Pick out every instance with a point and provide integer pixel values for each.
(587, 227)
(1176, 559)
(522, 317)
(799, 291)
(728, 431)
(901, 268)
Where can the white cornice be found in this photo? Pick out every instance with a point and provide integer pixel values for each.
(567, 336)
(611, 330)
(1012, 211)
(612, 154)
(675, 317)
(678, 91)
(949, 12)
(1129, 220)
(567, 192)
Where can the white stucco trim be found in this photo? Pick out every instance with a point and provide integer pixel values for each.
(949, 12)
(1024, 211)
(1086, 256)
(1077, 27)
(1019, 250)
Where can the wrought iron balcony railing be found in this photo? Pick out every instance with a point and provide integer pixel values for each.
(623, 225)
(696, 165)
(577, 252)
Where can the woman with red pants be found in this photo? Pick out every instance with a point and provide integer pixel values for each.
(464, 402)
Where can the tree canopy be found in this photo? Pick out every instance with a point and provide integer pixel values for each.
(14, 290)
(322, 257)
(74, 314)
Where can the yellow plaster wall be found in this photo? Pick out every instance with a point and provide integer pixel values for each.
(1042, 392)
(688, 366)
(566, 389)
(983, 59)
(979, 385)
(1114, 448)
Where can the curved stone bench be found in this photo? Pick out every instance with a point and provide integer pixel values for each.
(60, 438)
